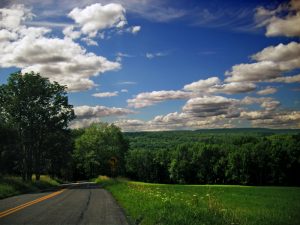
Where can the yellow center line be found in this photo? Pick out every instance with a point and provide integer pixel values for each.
(15, 209)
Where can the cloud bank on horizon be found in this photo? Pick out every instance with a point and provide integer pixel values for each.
(69, 52)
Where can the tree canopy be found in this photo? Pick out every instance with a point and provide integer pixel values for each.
(36, 109)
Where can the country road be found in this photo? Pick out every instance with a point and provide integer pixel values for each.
(81, 203)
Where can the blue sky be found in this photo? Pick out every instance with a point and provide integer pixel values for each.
(161, 65)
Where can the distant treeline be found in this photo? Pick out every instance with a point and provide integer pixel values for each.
(253, 158)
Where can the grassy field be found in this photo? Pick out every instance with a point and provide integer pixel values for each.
(10, 186)
(205, 204)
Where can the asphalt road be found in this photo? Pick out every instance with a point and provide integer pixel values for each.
(84, 203)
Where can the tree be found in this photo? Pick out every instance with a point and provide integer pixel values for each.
(100, 150)
(36, 108)
(58, 158)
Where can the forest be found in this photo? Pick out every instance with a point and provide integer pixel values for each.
(250, 156)
(35, 139)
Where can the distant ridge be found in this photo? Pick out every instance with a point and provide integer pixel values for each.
(248, 130)
(229, 130)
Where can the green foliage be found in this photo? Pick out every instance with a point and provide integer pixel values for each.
(8, 150)
(58, 157)
(214, 158)
(100, 150)
(147, 165)
(148, 204)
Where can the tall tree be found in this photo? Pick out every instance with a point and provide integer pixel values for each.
(36, 107)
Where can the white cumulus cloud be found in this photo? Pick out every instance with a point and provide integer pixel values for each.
(97, 17)
(202, 85)
(135, 29)
(145, 99)
(287, 79)
(214, 85)
(61, 60)
(210, 106)
(71, 33)
(254, 72)
(283, 20)
(11, 18)
(86, 115)
(279, 53)
(272, 63)
(86, 111)
(105, 94)
(265, 102)
(267, 91)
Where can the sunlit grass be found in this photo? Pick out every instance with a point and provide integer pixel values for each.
(206, 204)
(11, 185)
(102, 179)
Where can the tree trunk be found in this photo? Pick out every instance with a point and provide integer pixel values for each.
(22, 160)
(37, 167)
(29, 162)
(29, 176)
(23, 175)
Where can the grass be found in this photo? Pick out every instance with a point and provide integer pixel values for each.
(149, 204)
(10, 185)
